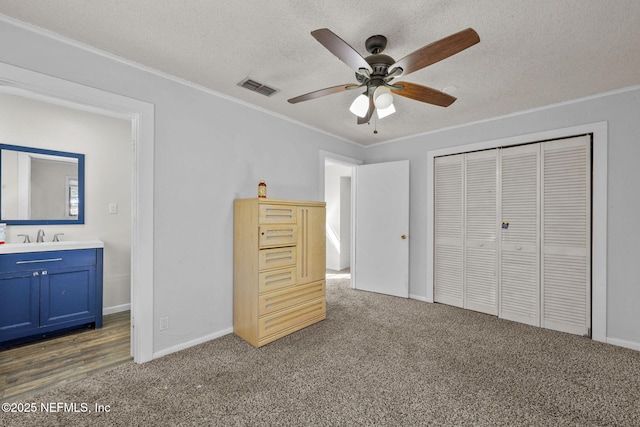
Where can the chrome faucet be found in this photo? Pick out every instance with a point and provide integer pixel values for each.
(40, 237)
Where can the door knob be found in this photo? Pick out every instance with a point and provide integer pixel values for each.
(404, 236)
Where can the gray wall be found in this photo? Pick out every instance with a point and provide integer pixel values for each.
(208, 151)
(621, 110)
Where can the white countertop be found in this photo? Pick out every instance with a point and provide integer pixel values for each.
(18, 248)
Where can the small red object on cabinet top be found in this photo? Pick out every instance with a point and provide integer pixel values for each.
(262, 190)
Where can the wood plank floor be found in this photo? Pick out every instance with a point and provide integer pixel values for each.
(30, 368)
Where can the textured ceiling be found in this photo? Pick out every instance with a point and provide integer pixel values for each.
(532, 52)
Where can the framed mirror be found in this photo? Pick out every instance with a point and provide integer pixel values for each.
(40, 186)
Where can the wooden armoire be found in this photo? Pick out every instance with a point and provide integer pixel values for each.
(279, 267)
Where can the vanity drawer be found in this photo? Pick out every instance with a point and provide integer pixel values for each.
(46, 259)
(272, 326)
(277, 257)
(278, 235)
(277, 214)
(276, 279)
(274, 301)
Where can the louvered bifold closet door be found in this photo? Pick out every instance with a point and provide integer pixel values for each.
(448, 229)
(566, 235)
(519, 255)
(481, 249)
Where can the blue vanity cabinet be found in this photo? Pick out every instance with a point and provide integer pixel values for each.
(19, 303)
(44, 292)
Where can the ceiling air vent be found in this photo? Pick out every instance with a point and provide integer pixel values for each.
(257, 87)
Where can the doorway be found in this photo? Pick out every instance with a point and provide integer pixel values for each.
(337, 195)
(141, 116)
(336, 184)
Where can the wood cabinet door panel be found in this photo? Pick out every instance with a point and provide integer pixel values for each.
(311, 244)
(19, 302)
(276, 279)
(292, 319)
(277, 257)
(277, 214)
(278, 235)
(274, 301)
(67, 295)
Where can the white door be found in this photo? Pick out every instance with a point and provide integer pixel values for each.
(481, 230)
(566, 235)
(520, 239)
(382, 228)
(449, 230)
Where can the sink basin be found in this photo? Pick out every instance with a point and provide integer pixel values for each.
(16, 248)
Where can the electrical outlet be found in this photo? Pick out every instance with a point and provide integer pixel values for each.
(164, 323)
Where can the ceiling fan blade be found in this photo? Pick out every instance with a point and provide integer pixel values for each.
(321, 92)
(365, 119)
(437, 51)
(423, 94)
(341, 49)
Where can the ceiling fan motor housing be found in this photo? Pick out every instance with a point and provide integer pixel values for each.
(380, 65)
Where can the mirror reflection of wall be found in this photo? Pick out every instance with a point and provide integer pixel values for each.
(38, 186)
(49, 192)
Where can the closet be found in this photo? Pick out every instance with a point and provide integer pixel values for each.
(512, 233)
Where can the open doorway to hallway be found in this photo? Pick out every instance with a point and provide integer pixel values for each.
(337, 195)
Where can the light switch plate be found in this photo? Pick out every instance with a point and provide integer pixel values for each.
(113, 208)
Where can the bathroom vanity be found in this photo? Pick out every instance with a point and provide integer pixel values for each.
(49, 287)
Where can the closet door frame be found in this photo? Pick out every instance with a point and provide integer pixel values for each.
(599, 132)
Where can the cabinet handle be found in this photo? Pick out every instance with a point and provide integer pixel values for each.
(35, 273)
(44, 273)
(39, 260)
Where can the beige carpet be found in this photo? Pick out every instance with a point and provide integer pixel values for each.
(376, 360)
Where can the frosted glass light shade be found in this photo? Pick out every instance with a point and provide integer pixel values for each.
(384, 112)
(382, 97)
(360, 106)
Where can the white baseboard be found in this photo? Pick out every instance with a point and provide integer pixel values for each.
(183, 346)
(116, 309)
(622, 343)
(418, 297)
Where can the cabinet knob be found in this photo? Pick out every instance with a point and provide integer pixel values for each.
(35, 273)
(44, 273)
(404, 236)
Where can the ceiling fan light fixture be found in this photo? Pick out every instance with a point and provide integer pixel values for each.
(360, 106)
(384, 112)
(382, 97)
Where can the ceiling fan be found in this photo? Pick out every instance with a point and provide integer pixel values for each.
(376, 72)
